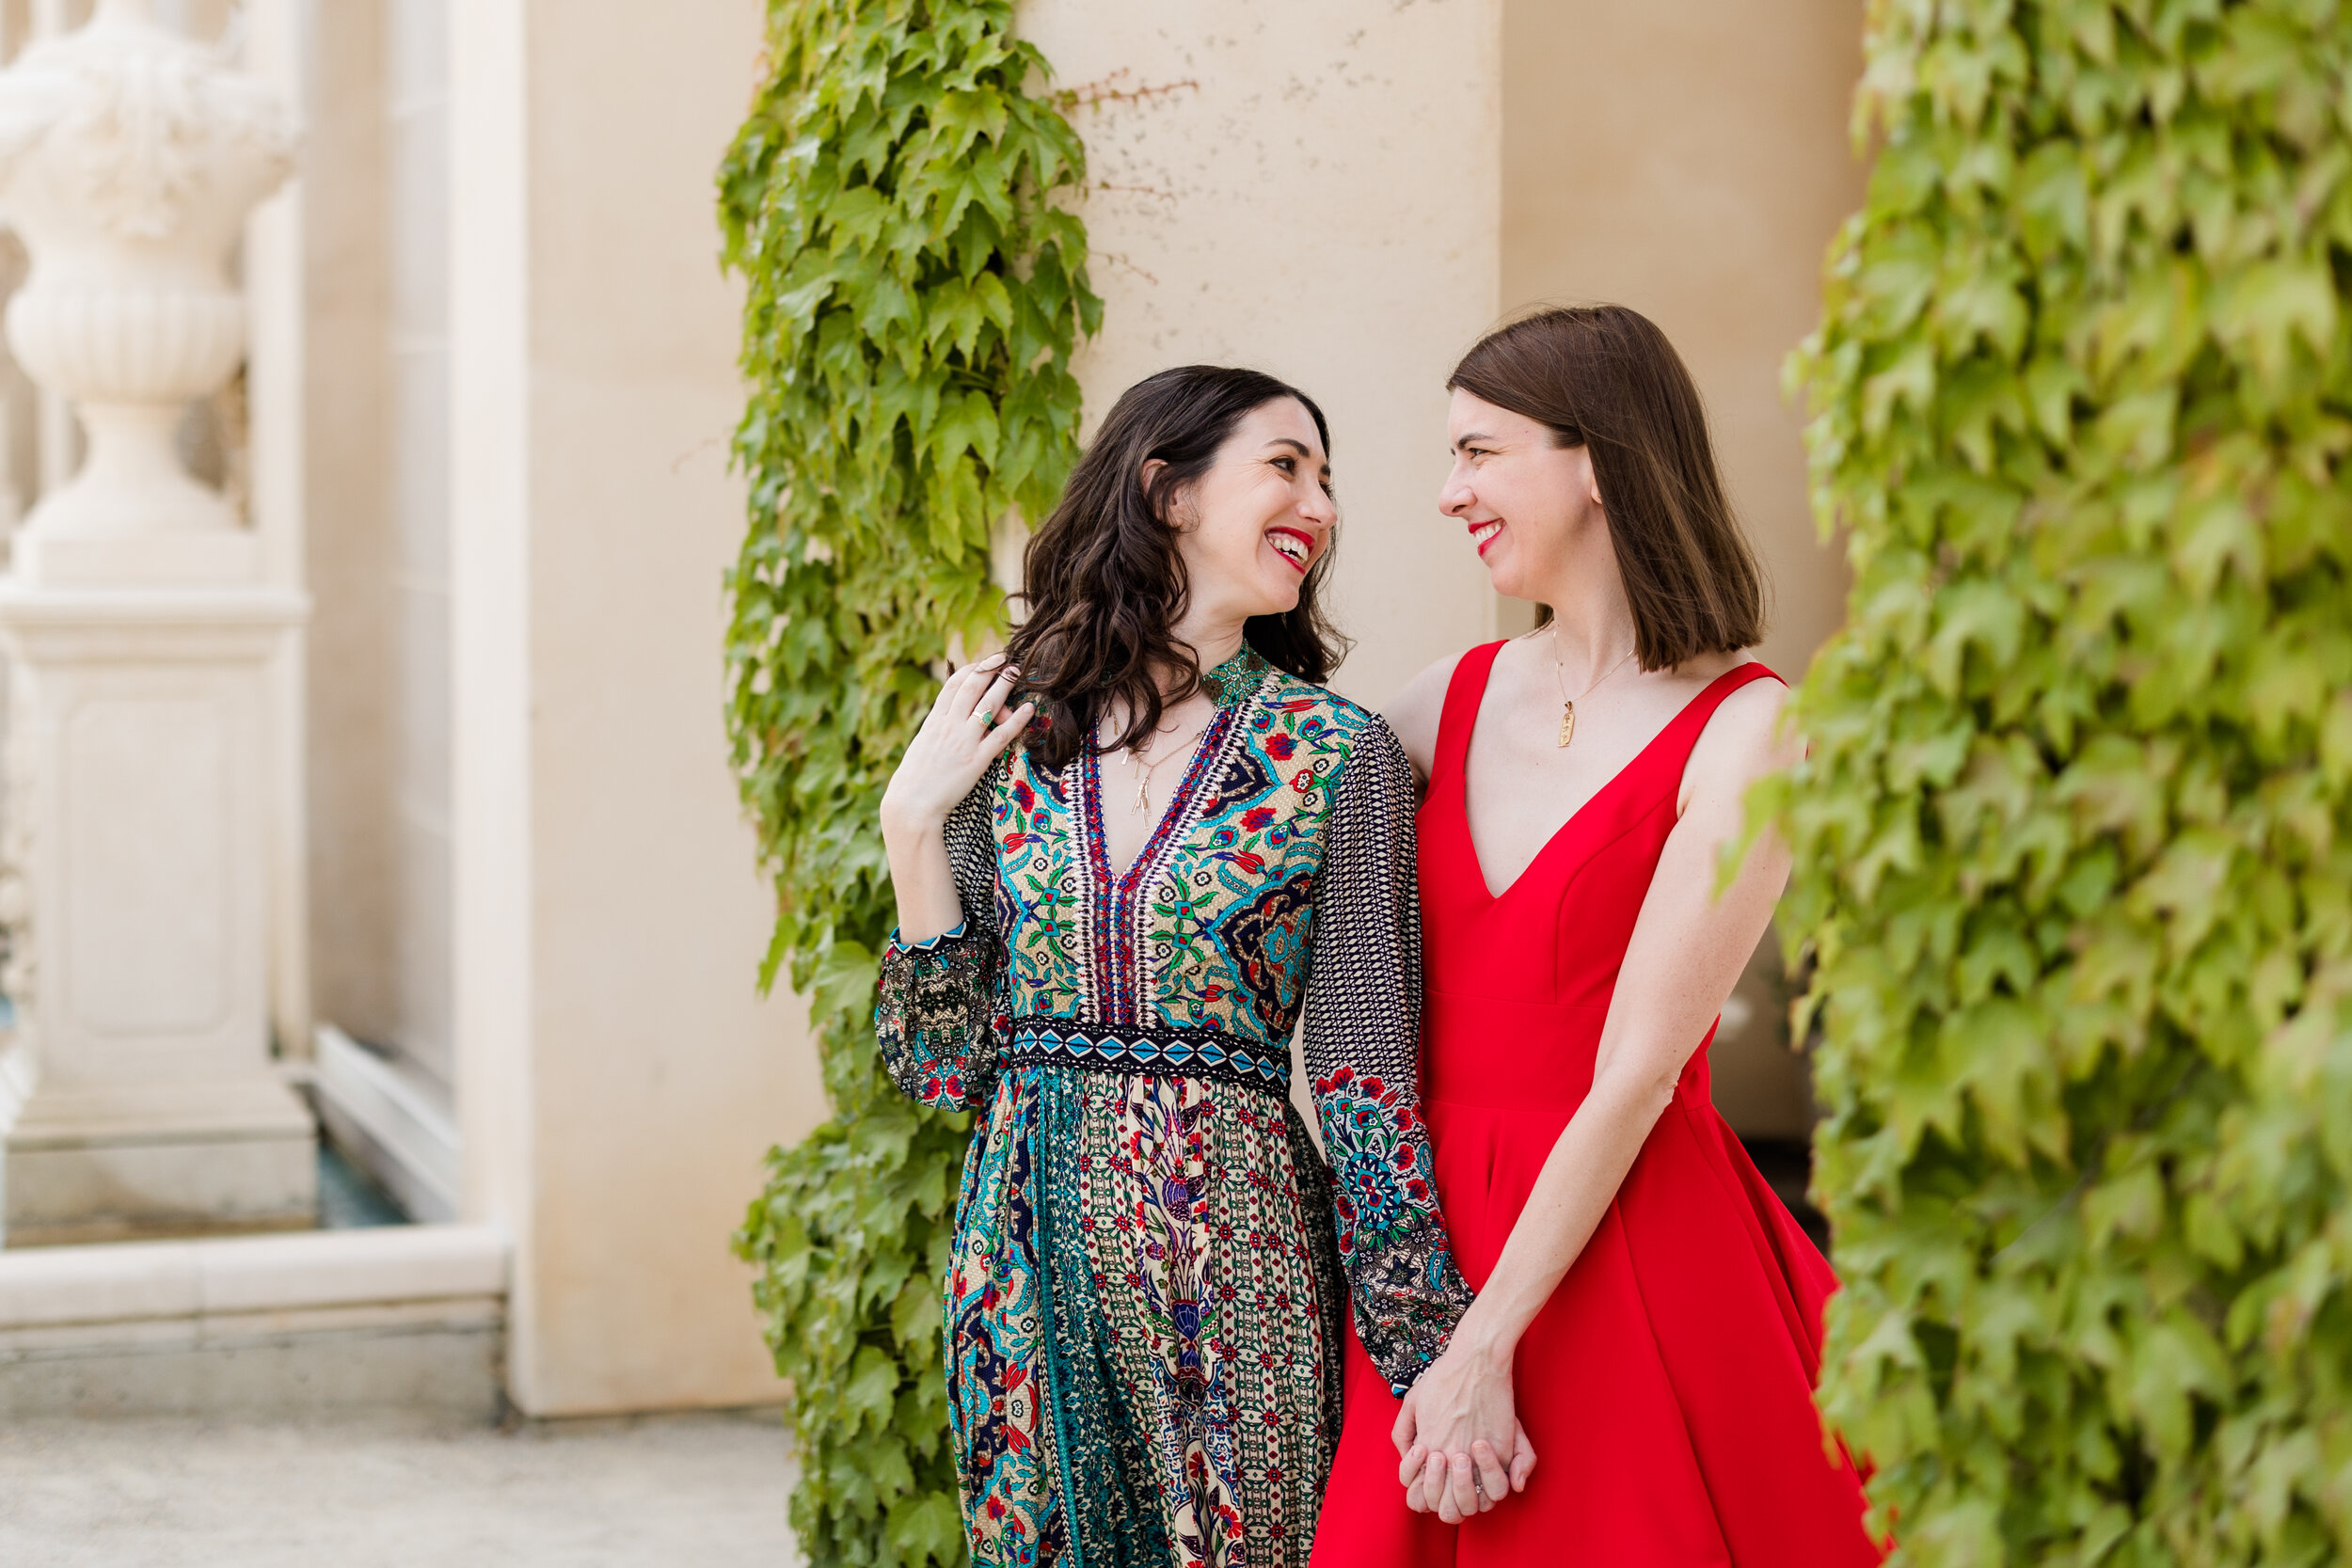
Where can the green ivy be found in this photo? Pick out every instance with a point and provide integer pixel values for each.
(915, 296)
(2074, 837)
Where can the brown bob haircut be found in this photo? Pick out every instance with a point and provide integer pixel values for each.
(1603, 377)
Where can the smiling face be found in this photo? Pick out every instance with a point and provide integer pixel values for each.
(1253, 527)
(1531, 509)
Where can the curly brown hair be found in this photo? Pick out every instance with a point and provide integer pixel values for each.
(1106, 583)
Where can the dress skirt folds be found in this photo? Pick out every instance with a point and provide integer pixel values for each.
(1145, 1309)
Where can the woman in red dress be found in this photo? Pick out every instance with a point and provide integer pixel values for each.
(1646, 1307)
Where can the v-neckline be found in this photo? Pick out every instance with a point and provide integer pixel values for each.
(1230, 685)
(1469, 839)
(1161, 827)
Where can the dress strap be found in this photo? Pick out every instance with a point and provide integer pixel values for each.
(1670, 754)
(1460, 715)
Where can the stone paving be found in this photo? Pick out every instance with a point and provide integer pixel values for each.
(641, 1492)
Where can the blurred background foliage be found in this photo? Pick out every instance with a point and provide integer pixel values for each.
(915, 294)
(2074, 839)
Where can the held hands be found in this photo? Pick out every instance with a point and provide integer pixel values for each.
(964, 732)
(1462, 1446)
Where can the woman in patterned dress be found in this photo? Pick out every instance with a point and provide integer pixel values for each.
(1116, 901)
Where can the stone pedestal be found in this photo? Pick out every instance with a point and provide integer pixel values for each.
(143, 1099)
(138, 1096)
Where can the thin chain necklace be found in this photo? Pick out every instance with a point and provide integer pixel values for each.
(1144, 771)
(1560, 672)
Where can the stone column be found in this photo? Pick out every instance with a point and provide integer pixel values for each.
(138, 1096)
(618, 1076)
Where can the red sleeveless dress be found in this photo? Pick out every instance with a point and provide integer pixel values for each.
(1667, 1384)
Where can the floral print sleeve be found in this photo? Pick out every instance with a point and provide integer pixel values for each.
(937, 1020)
(1362, 1047)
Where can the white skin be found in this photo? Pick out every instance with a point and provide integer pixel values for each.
(1534, 512)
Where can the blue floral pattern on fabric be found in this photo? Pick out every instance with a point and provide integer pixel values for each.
(1143, 1323)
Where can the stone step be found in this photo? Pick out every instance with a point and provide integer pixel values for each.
(404, 1317)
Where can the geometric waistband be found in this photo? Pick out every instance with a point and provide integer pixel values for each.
(1170, 1053)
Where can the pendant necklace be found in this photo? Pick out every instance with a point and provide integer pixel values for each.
(1567, 703)
(1144, 770)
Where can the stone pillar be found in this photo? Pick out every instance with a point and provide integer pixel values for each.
(138, 1096)
(618, 1075)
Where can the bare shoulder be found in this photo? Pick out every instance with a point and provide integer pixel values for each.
(1414, 711)
(1747, 736)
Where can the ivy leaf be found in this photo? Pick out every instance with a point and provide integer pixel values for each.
(961, 117)
(966, 424)
(2268, 305)
(873, 1384)
(856, 218)
(926, 1529)
(845, 979)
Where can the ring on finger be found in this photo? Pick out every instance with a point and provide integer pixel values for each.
(986, 716)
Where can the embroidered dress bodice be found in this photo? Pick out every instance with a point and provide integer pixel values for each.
(1147, 1284)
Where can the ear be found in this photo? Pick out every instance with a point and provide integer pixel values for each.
(1167, 504)
(1592, 479)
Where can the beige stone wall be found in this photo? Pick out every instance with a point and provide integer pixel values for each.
(416, 417)
(1314, 191)
(1691, 159)
(377, 479)
(348, 468)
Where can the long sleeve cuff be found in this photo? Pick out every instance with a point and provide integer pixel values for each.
(950, 936)
(934, 1018)
(1407, 1288)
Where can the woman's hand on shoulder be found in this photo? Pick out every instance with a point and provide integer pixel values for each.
(964, 732)
(1413, 714)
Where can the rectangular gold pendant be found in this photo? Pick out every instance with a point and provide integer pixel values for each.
(1567, 722)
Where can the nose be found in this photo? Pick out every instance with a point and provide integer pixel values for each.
(1454, 496)
(1319, 509)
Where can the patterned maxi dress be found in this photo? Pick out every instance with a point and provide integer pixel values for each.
(1143, 1309)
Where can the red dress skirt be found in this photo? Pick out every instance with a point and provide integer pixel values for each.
(1667, 1384)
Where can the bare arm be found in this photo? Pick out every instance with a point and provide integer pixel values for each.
(1413, 714)
(1686, 951)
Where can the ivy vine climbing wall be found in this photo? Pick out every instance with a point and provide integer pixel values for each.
(2076, 836)
(915, 294)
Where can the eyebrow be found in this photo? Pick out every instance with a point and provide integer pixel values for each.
(1300, 447)
(1464, 440)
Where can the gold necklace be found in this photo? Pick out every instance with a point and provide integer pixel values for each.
(1144, 771)
(1560, 672)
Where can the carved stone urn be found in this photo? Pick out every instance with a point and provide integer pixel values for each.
(138, 1096)
(129, 158)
